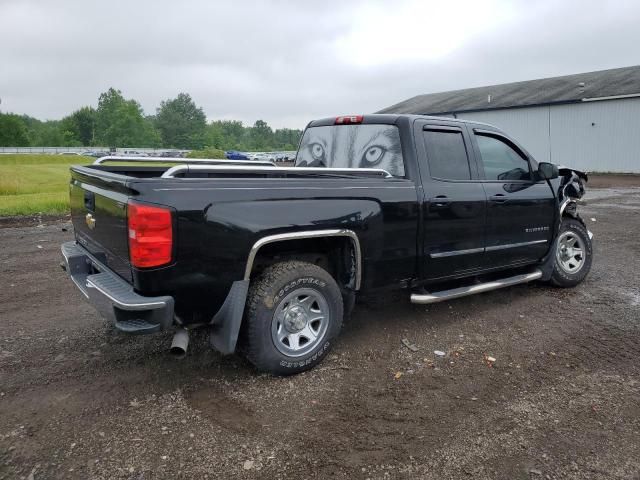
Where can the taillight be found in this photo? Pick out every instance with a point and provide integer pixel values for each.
(348, 120)
(150, 235)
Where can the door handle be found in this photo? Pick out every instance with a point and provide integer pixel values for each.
(499, 198)
(441, 201)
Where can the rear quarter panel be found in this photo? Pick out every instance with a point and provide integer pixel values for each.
(219, 220)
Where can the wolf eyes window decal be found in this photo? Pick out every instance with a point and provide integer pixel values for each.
(317, 151)
(352, 146)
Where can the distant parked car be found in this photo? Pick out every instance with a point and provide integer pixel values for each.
(263, 157)
(95, 153)
(169, 154)
(235, 155)
(134, 153)
(69, 153)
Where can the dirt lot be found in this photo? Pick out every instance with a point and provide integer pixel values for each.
(561, 401)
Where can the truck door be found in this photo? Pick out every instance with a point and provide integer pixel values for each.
(520, 210)
(454, 201)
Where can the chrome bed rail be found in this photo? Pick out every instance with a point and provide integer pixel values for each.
(173, 171)
(205, 161)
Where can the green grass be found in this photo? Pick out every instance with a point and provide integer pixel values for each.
(32, 184)
(39, 183)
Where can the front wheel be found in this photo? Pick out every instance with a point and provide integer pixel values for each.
(573, 256)
(294, 311)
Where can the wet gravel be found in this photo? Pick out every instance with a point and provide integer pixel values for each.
(560, 401)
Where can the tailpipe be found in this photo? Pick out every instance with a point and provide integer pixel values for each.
(179, 344)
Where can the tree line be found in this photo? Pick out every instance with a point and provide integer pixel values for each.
(119, 122)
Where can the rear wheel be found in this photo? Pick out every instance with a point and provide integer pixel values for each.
(573, 254)
(294, 312)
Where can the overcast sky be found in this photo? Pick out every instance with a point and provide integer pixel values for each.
(291, 61)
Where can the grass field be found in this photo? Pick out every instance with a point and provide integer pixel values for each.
(32, 184)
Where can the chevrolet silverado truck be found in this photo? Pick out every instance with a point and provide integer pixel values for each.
(270, 259)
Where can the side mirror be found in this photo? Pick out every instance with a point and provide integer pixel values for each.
(547, 171)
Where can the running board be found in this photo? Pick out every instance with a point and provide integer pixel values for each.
(436, 297)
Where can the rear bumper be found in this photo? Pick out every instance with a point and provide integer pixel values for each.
(113, 297)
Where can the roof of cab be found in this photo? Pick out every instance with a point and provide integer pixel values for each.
(372, 118)
(383, 118)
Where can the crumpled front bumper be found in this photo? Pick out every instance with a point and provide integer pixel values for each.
(113, 297)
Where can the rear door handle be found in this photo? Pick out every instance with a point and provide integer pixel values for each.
(499, 198)
(441, 201)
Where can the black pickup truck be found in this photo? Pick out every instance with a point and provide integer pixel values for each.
(270, 259)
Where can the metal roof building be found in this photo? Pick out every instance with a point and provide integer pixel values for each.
(590, 121)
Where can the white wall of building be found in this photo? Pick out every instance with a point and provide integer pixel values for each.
(598, 136)
(529, 126)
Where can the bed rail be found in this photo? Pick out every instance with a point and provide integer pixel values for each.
(205, 161)
(178, 169)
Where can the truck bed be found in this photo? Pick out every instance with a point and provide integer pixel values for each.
(220, 211)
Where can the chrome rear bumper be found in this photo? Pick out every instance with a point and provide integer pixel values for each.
(113, 297)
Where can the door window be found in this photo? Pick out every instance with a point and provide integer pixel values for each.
(448, 159)
(501, 161)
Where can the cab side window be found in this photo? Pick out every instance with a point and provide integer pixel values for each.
(501, 161)
(447, 154)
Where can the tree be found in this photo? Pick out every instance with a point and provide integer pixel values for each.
(44, 134)
(225, 134)
(286, 138)
(119, 122)
(181, 123)
(81, 125)
(261, 136)
(13, 131)
(109, 103)
(214, 136)
(206, 153)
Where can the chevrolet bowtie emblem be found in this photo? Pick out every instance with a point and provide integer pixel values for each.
(91, 222)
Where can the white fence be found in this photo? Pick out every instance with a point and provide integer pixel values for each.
(55, 150)
(119, 151)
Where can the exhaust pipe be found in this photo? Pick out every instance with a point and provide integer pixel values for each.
(180, 343)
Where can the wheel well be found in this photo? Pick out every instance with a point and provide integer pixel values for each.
(570, 209)
(337, 255)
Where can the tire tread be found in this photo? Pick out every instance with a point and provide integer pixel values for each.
(559, 278)
(260, 288)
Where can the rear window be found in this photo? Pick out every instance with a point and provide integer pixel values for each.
(352, 146)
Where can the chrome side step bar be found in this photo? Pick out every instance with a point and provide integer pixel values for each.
(435, 297)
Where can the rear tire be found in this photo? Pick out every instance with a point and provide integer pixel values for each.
(294, 312)
(573, 255)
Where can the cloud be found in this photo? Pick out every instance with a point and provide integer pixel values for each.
(289, 61)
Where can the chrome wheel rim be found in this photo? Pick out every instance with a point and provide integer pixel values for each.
(300, 322)
(570, 253)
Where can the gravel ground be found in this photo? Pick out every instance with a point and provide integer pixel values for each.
(561, 400)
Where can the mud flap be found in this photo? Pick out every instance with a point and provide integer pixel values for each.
(225, 325)
(548, 263)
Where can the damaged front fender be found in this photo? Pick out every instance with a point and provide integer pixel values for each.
(570, 189)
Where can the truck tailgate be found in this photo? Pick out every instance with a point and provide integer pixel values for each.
(99, 214)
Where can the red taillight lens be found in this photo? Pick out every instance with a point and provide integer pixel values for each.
(150, 235)
(348, 120)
